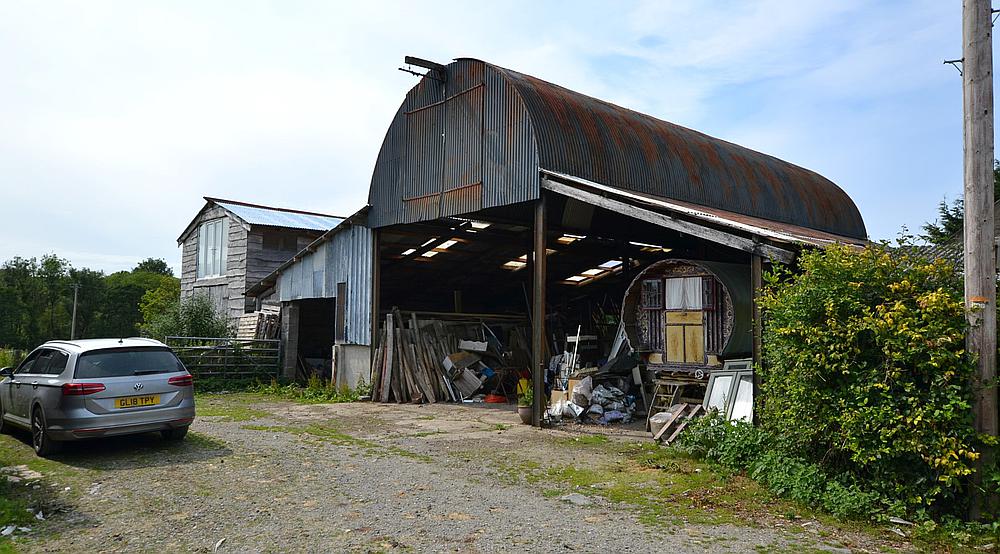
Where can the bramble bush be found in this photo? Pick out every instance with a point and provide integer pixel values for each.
(865, 403)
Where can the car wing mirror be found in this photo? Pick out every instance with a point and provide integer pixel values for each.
(6, 372)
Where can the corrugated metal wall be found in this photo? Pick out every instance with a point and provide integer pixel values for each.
(344, 258)
(455, 148)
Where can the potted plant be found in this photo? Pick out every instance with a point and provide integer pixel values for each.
(525, 403)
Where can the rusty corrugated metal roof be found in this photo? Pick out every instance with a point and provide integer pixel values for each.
(608, 144)
(438, 159)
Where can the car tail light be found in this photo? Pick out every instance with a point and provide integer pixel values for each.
(181, 381)
(80, 389)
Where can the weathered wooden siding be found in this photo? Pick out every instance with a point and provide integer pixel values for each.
(236, 268)
(261, 261)
(225, 291)
(247, 261)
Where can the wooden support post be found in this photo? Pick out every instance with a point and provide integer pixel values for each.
(538, 313)
(980, 259)
(756, 284)
(457, 296)
(290, 336)
(376, 295)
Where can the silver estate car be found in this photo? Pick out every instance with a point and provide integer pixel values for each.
(69, 390)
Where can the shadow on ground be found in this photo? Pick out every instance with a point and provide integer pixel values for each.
(135, 451)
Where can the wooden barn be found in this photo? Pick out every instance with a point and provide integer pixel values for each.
(231, 245)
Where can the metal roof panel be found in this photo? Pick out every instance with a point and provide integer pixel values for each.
(277, 217)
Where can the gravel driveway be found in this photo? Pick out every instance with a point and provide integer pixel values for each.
(272, 476)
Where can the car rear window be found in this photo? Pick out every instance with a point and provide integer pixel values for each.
(123, 362)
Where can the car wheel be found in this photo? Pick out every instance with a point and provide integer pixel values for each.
(174, 434)
(40, 441)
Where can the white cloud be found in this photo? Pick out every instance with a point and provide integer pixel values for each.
(118, 116)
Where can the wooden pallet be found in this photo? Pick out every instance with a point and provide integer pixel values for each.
(669, 393)
(673, 427)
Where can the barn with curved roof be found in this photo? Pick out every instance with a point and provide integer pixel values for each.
(498, 192)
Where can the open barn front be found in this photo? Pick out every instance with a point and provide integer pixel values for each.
(633, 311)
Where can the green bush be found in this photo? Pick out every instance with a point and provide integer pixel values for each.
(10, 357)
(741, 447)
(866, 374)
(194, 316)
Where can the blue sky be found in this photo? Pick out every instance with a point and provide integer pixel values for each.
(117, 117)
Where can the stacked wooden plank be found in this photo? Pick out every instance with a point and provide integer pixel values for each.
(428, 360)
(408, 362)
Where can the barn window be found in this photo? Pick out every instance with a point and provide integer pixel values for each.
(281, 242)
(213, 237)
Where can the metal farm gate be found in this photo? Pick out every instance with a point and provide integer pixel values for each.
(228, 359)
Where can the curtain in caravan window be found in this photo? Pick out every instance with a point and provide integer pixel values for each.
(684, 293)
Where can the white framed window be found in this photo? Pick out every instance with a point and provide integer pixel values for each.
(730, 391)
(213, 237)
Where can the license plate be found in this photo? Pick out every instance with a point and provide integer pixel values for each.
(137, 401)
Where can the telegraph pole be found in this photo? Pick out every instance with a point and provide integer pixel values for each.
(980, 256)
(72, 328)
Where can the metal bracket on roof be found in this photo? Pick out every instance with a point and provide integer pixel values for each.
(435, 71)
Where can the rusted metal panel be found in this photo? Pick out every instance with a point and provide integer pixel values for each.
(526, 125)
(422, 177)
(386, 186)
(455, 149)
(510, 159)
(463, 152)
(608, 144)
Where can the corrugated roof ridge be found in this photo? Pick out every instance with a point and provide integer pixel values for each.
(272, 208)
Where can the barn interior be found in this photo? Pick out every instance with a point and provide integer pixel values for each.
(478, 267)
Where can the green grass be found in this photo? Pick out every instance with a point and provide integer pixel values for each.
(585, 440)
(331, 435)
(10, 357)
(231, 407)
(666, 488)
(16, 498)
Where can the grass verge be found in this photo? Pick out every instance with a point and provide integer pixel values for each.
(231, 407)
(331, 435)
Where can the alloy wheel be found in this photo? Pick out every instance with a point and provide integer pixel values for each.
(37, 431)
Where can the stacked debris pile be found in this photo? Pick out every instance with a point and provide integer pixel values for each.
(602, 404)
(447, 358)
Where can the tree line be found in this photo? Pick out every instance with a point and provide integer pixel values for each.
(36, 300)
